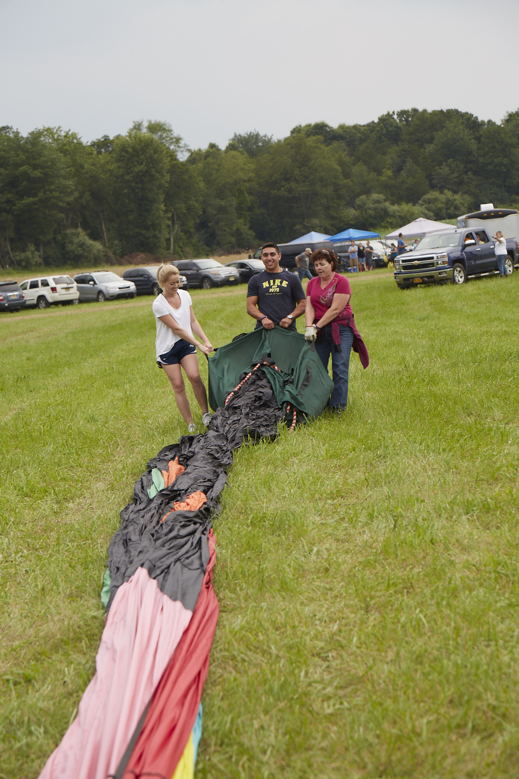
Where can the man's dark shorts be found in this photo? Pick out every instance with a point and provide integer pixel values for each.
(176, 354)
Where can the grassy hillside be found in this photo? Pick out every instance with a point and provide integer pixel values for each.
(367, 564)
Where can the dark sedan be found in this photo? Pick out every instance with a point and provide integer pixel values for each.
(207, 273)
(11, 296)
(145, 279)
(246, 268)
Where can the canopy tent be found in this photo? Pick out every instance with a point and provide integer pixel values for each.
(351, 234)
(311, 237)
(419, 227)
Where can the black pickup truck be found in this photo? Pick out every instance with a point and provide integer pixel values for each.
(452, 255)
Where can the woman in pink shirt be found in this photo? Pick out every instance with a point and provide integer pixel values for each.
(330, 323)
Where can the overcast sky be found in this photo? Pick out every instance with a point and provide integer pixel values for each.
(211, 68)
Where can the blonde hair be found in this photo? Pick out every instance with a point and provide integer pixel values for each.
(165, 271)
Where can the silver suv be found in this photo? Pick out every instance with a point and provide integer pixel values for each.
(103, 285)
(46, 290)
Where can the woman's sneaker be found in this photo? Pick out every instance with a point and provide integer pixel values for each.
(206, 418)
(191, 428)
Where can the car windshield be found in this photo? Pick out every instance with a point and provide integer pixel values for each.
(208, 264)
(63, 280)
(437, 241)
(106, 276)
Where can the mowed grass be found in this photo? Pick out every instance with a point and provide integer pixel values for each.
(367, 564)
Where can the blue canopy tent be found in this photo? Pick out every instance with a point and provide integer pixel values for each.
(311, 237)
(351, 234)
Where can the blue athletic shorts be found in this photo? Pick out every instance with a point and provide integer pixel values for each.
(176, 354)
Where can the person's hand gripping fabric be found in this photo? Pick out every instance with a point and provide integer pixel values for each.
(310, 334)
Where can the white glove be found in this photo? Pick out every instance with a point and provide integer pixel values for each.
(310, 334)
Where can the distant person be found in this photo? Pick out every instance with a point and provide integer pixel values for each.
(500, 251)
(393, 252)
(353, 256)
(175, 344)
(303, 264)
(330, 324)
(274, 296)
(368, 256)
(400, 244)
(361, 257)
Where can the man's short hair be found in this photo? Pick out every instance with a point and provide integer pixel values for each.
(271, 245)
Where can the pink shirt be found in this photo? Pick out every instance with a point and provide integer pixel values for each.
(321, 298)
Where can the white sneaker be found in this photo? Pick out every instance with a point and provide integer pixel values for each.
(191, 428)
(206, 418)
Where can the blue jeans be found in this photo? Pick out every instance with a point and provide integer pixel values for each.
(501, 264)
(340, 363)
(304, 273)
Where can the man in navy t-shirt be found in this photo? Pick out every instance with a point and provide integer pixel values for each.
(275, 296)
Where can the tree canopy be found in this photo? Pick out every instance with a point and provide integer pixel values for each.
(145, 191)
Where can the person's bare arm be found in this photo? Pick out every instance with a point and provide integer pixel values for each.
(255, 313)
(298, 310)
(309, 313)
(170, 322)
(196, 327)
(338, 303)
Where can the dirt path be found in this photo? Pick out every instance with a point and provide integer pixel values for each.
(146, 300)
(140, 302)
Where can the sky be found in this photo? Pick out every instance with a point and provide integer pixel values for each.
(213, 68)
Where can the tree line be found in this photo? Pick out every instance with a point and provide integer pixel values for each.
(66, 201)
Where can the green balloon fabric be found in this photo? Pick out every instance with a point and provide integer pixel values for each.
(300, 381)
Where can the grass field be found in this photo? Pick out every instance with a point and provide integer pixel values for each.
(367, 564)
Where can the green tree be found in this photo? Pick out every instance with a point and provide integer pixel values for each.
(443, 205)
(140, 180)
(299, 186)
(252, 143)
(373, 210)
(184, 205)
(37, 190)
(411, 183)
(225, 220)
(76, 248)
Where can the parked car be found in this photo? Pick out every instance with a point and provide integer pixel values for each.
(47, 290)
(103, 285)
(246, 268)
(145, 279)
(11, 296)
(207, 273)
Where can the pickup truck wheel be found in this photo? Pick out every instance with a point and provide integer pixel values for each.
(459, 274)
(509, 266)
(42, 302)
(206, 283)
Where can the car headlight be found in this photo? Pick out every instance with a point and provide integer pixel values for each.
(398, 264)
(442, 259)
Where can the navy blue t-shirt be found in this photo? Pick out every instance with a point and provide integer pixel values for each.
(277, 294)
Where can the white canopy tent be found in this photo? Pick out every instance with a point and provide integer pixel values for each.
(418, 228)
(311, 237)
